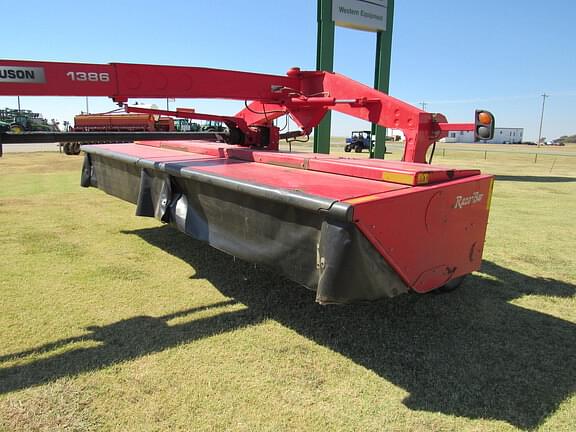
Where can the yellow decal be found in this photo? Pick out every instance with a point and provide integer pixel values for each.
(489, 199)
(422, 178)
(401, 178)
(406, 178)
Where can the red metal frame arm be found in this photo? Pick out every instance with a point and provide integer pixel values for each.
(306, 96)
(258, 113)
(447, 127)
(191, 114)
(121, 81)
(251, 136)
(324, 90)
(420, 128)
(386, 111)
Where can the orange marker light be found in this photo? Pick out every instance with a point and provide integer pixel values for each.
(483, 125)
(484, 118)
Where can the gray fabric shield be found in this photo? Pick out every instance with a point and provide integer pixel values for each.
(307, 239)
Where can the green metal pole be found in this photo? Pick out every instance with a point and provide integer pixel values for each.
(382, 76)
(325, 62)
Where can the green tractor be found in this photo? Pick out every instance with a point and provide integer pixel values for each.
(186, 125)
(24, 120)
(213, 126)
(23, 123)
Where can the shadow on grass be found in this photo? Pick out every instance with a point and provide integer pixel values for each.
(470, 353)
(535, 179)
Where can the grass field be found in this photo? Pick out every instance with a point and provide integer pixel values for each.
(113, 322)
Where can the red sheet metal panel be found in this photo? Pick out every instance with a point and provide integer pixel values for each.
(151, 152)
(327, 185)
(314, 183)
(336, 178)
(429, 234)
(411, 174)
(199, 147)
(408, 175)
(288, 159)
(395, 172)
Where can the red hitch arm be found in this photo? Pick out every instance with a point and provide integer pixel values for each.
(249, 135)
(306, 96)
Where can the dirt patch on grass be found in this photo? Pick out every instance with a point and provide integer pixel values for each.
(61, 406)
(39, 163)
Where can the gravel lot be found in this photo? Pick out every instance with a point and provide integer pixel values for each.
(23, 148)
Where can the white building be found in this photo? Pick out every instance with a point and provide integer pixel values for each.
(501, 136)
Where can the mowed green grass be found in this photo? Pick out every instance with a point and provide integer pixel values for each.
(113, 322)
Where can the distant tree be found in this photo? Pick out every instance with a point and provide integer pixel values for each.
(565, 139)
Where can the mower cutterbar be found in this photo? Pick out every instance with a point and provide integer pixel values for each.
(351, 230)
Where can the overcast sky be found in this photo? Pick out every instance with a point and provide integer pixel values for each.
(454, 55)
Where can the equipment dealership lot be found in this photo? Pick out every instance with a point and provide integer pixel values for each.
(113, 322)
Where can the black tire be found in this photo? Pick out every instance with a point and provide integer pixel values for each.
(76, 148)
(66, 148)
(452, 285)
(347, 148)
(358, 148)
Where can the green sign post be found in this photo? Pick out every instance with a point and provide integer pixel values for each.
(382, 76)
(375, 15)
(325, 62)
